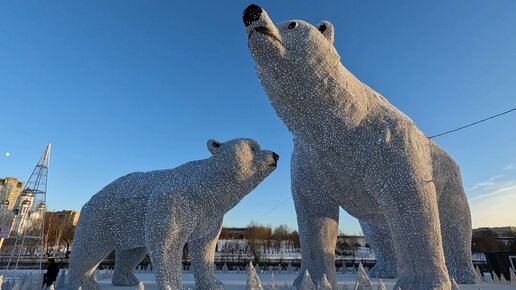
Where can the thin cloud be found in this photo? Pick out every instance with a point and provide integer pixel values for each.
(509, 189)
(509, 166)
(490, 184)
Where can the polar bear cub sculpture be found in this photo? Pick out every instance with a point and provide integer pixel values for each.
(159, 211)
(353, 149)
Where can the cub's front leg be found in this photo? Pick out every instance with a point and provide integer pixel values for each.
(168, 225)
(202, 245)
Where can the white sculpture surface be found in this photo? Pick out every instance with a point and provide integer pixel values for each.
(159, 211)
(353, 149)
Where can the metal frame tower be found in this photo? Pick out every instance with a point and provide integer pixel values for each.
(29, 215)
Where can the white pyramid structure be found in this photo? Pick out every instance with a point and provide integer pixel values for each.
(363, 280)
(272, 284)
(290, 269)
(479, 273)
(495, 278)
(324, 284)
(140, 286)
(225, 269)
(512, 276)
(381, 285)
(253, 282)
(503, 280)
(454, 285)
(307, 283)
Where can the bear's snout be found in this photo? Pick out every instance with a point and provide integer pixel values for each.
(251, 14)
(275, 156)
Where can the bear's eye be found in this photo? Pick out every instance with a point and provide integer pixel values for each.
(322, 28)
(292, 25)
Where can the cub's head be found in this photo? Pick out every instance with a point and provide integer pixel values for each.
(289, 49)
(244, 157)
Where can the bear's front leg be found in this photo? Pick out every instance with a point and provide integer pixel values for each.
(166, 256)
(317, 218)
(318, 222)
(167, 227)
(202, 250)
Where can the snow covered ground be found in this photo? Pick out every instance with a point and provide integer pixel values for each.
(238, 282)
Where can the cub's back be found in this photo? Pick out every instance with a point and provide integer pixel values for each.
(136, 185)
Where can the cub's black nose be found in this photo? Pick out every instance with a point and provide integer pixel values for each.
(275, 156)
(251, 14)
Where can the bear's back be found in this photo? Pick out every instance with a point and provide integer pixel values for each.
(140, 185)
(135, 185)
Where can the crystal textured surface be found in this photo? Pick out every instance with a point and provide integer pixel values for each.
(159, 211)
(354, 149)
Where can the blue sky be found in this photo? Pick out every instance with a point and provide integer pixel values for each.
(122, 86)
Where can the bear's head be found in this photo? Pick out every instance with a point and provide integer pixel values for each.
(291, 49)
(299, 69)
(244, 158)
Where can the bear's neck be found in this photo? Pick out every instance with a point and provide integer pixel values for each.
(317, 104)
(223, 190)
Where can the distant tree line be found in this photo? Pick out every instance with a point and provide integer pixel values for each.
(489, 241)
(58, 235)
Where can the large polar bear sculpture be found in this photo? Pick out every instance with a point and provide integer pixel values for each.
(353, 149)
(159, 211)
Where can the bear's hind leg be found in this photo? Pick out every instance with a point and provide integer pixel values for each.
(413, 218)
(456, 229)
(379, 238)
(82, 271)
(91, 244)
(405, 190)
(125, 263)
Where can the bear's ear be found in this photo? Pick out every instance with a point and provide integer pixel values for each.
(326, 28)
(213, 145)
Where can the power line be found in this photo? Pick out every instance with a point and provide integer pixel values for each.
(472, 124)
(274, 208)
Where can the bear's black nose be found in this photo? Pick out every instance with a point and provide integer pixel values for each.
(251, 14)
(275, 156)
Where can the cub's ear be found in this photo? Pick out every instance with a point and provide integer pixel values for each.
(213, 145)
(326, 28)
